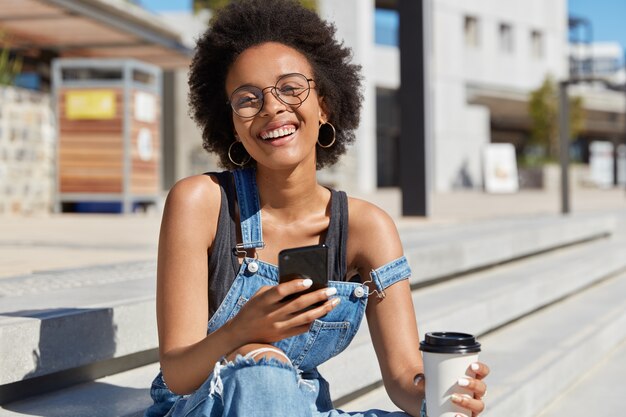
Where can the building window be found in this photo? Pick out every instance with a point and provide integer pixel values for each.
(471, 29)
(506, 38)
(536, 44)
(386, 27)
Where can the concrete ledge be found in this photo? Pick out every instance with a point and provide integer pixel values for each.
(447, 251)
(535, 359)
(76, 325)
(556, 347)
(95, 314)
(480, 302)
(484, 301)
(126, 394)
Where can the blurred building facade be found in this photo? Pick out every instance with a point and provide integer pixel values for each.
(603, 60)
(484, 57)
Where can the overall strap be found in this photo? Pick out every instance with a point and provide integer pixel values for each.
(342, 253)
(249, 209)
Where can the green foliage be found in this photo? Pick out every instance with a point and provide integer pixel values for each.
(9, 67)
(543, 108)
(215, 5)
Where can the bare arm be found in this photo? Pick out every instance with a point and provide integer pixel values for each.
(391, 320)
(374, 241)
(188, 227)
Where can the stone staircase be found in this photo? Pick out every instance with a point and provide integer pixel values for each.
(545, 295)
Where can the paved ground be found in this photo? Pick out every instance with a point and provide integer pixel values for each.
(41, 243)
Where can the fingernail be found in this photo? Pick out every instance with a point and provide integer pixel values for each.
(331, 291)
(475, 367)
(335, 301)
(456, 398)
(463, 382)
(307, 282)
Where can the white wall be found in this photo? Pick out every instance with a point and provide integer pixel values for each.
(355, 26)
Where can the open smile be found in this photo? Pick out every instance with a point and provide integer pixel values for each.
(279, 132)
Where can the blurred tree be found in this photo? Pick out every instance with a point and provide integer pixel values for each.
(214, 5)
(9, 67)
(543, 108)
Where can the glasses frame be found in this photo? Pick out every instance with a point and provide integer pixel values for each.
(273, 89)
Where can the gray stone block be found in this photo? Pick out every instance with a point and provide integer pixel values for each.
(84, 307)
(456, 250)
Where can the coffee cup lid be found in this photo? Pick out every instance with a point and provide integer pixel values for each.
(449, 342)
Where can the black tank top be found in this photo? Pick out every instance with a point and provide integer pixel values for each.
(223, 261)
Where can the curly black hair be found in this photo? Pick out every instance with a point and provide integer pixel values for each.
(246, 23)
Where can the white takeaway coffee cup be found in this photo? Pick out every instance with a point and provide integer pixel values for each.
(447, 357)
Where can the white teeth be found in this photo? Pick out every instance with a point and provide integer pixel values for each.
(278, 133)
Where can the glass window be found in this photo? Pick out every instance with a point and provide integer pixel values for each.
(536, 44)
(387, 23)
(506, 38)
(471, 30)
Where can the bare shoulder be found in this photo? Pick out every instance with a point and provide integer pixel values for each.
(373, 238)
(197, 190)
(365, 215)
(193, 204)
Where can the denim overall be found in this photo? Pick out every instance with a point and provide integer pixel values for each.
(269, 387)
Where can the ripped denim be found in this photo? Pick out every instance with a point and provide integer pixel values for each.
(264, 388)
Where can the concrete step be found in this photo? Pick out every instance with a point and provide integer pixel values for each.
(59, 320)
(483, 301)
(538, 359)
(597, 309)
(107, 312)
(126, 394)
(90, 315)
(445, 250)
(541, 358)
(599, 392)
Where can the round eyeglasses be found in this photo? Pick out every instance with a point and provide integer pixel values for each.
(290, 89)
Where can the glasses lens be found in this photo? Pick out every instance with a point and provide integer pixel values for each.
(292, 89)
(247, 101)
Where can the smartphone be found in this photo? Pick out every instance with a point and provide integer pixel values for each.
(304, 262)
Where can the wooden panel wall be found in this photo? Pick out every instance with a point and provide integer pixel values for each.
(91, 152)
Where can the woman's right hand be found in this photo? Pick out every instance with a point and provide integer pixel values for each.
(266, 318)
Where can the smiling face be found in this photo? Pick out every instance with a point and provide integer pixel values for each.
(281, 135)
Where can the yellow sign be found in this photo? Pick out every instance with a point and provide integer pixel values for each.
(90, 104)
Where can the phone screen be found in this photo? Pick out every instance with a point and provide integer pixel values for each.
(304, 262)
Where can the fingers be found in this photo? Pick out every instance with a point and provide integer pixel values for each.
(476, 406)
(478, 387)
(278, 292)
(480, 370)
(305, 301)
(305, 318)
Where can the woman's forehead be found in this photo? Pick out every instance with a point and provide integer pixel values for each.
(263, 64)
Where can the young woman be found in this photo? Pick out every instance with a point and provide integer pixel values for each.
(277, 98)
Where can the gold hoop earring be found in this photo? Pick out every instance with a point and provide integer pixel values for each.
(245, 161)
(332, 142)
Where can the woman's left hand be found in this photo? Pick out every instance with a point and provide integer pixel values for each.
(476, 385)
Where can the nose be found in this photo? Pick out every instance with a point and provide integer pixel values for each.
(271, 102)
